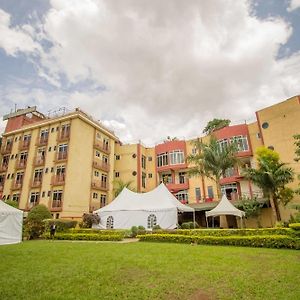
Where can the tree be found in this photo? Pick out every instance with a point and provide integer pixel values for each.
(297, 152)
(216, 124)
(120, 185)
(212, 161)
(14, 204)
(34, 225)
(272, 176)
(88, 220)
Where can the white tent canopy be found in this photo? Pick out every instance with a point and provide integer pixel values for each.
(11, 220)
(129, 209)
(225, 207)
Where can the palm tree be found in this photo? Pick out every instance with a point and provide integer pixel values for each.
(272, 176)
(211, 160)
(120, 185)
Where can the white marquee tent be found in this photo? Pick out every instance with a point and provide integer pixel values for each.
(11, 220)
(225, 207)
(157, 207)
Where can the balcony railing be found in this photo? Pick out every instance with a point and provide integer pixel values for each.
(3, 168)
(21, 164)
(56, 205)
(24, 145)
(6, 149)
(102, 147)
(63, 136)
(39, 161)
(17, 185)
(42, 141)
(102, 186)
(101, 165)
(36, 183)
(62, 156)
(178, 186)
(58, 179)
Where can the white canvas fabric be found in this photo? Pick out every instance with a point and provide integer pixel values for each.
(11, 220)
(225, 207)
(133, 209)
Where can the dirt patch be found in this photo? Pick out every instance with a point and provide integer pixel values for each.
(201, 295)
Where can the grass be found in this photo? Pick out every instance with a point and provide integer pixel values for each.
(93, 270)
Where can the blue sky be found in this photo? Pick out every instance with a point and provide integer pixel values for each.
(149, 69)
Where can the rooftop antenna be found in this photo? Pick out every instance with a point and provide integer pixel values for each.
(15, 107)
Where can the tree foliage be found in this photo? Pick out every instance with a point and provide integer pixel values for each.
(212, 161)
(119, 185)
(215, 124)
(12, 203)
(272, 176)
(88, 220)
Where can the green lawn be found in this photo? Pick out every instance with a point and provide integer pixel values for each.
(94, 270)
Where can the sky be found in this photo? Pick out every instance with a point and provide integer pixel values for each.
(149, 69)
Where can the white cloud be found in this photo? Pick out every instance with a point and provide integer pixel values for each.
(167, 66)
(294, 4)
(18, 39)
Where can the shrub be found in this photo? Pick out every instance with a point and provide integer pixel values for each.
(189, 225)
(88, 220)
(61, 224)
(156, 227)
(134, 231)
(274, 241)
(12, 203)
(85, 237)
(34, 225)
(295, 226)
(140, 227)
(121, 232)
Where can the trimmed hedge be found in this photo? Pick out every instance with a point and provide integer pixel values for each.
(231, 232)
(123, 233)
(295, 226)
(274, 241)
(85, 237)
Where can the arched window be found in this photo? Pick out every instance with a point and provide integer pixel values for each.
(110, 222)
(151, 221)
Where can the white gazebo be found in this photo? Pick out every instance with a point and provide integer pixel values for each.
(157, 207)
(11, 221)
(225, 207)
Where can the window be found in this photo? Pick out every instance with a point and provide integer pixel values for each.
(117, 174)
(230, 172)
(210, 192)
(265, 125)
(97, 153)
(38, 174)
(149, 158)
(151, 221)
(182, 177)
(95, 196)
(12, 157)
(16, 197)
(65, 130)
(46, 170)
(105, 144)
(96, 173)
(176, 157)
(62, 151)
(26, 138)
(110, 222)
(2, 179)
(43, 194)
(198, 193)
(166, 178)
(143, 180)
(8, 176)
(183, 196)
(34, 198)
(44, 135)
(162, 159)
(117, 157)
(105, 159)
(5, 160)
(52, 129)
(143, 161)
(49, 193)
(12, 175)
(19, 177)
(57, 195)
(223, 144)
(241, 142)
(194, 151)
(98, 136)
(150, 175)
(23, 156)
(102, 200)
(103, 180)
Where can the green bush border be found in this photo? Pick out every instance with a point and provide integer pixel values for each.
(85, 237)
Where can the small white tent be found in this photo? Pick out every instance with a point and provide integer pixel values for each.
(225, 207)
(157, 207)
(11, 220)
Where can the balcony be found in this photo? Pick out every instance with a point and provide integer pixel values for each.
(101, 166)
(175, 187)
(39, 161)
(234, 176)
(56, 205)
(21, 164)
(102, 147)
(36, 183)
(6, 149)
(24, 145)
(17, 185)
(43, 141)
(102, 186)
(58, 179)
(63, 137)
(61, 156)
(3, 168)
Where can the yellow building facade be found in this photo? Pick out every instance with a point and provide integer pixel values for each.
(72, 164)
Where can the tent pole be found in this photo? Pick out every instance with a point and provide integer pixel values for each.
(206, 222)
(194, 219)
(213, 222)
